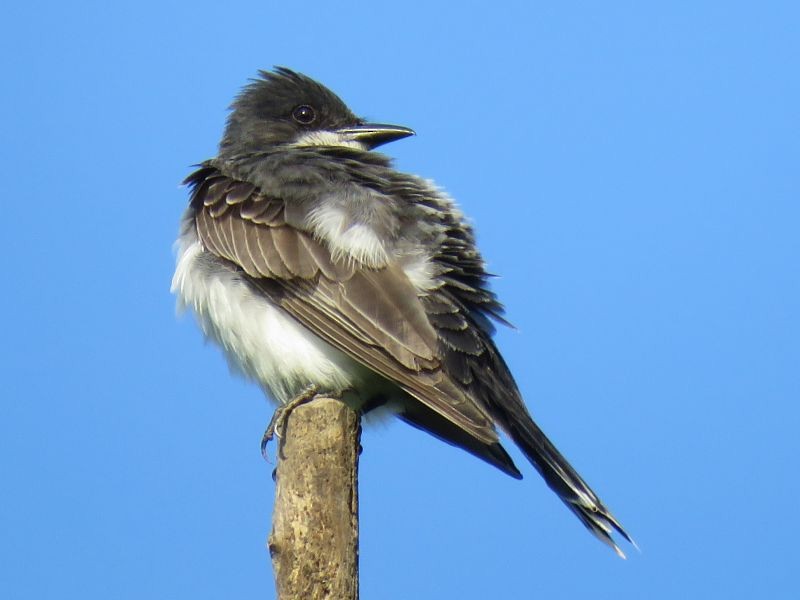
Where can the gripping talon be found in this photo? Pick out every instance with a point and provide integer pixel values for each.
(277, 424)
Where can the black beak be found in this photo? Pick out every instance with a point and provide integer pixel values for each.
(373, 135)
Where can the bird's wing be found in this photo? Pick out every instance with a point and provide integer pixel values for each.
(373, 315)
(437, 347)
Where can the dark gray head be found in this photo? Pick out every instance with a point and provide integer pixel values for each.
(288, 108)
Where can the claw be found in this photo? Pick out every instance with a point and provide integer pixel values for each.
(277, 424)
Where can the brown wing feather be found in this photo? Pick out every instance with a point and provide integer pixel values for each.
(375, 316)
(428, 385)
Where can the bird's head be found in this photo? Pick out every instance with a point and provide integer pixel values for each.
(287, 108)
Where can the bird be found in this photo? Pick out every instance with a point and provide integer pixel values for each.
(311, 261)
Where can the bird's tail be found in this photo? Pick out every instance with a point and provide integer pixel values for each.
(566, 482)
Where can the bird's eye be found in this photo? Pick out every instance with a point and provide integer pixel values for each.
(304, 114)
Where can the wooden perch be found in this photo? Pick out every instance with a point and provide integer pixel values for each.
(314, 539)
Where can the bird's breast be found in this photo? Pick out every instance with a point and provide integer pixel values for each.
(258, 338)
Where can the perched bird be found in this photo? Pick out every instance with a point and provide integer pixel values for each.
(311, 261)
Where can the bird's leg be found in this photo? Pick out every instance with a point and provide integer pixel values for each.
(277, 424)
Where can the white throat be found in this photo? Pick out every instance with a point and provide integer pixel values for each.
(328, 138)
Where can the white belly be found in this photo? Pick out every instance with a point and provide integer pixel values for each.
(258, 339)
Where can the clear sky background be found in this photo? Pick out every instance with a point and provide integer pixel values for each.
(632, 171)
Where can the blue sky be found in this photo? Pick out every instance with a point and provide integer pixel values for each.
(632, 172)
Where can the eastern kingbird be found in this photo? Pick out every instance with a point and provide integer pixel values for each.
(311, 261)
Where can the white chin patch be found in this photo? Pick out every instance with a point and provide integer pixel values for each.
(328, 138)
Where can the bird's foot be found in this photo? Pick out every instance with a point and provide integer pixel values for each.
(277, 424)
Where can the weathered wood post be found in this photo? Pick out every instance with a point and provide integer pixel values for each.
(314, 539)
